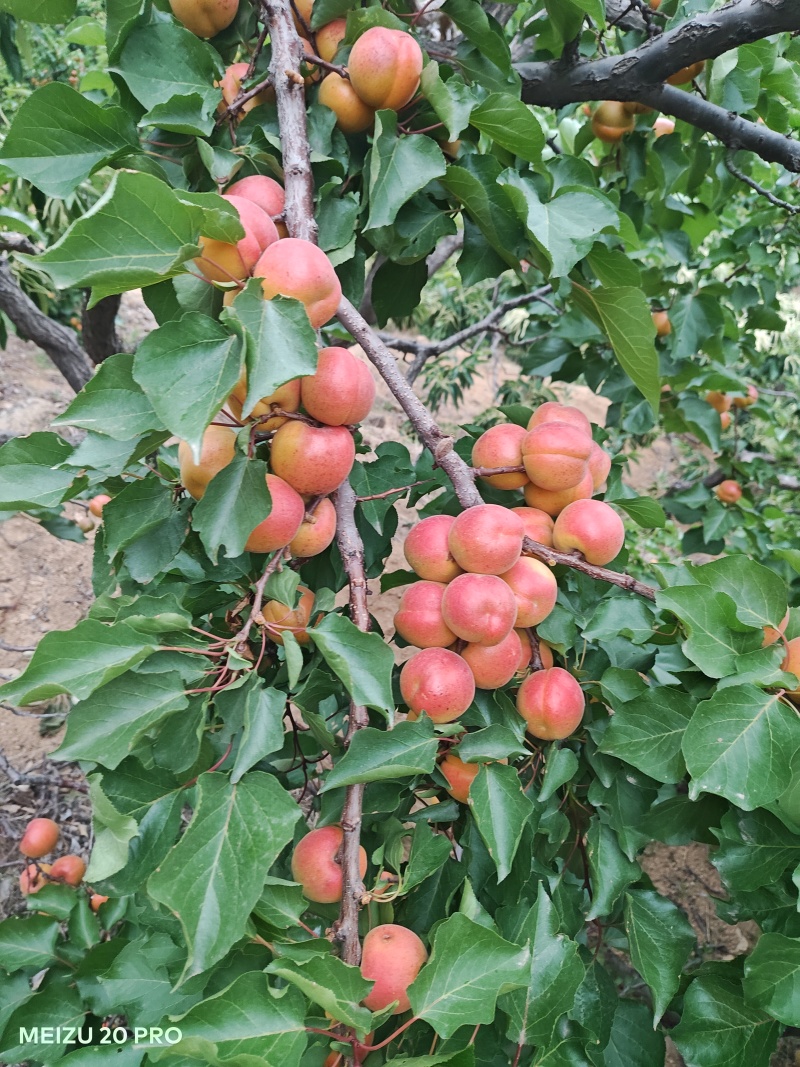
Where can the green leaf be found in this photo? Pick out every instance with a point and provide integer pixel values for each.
(758, 592)
(397, 168)
(46, 11)
(739, 744)
(337, 987)
(561, 766)
(28, 942)
(645, 512)
(59, 137)
(188, 368)
(511, 124)
(483, 32)
(492, 743)
(452, 100)
(661, 940)
(29, 477)
(234, 503)
(468, 969)
(610, 869)
(647, 732)
(77, 661)
(362, 662)
(112, 403)
(487, 205)
(262, 711)
(754, 850)
(772, 977)
(500, 810)
(718, 1027)
(140, 508)
(429, 852)
(57, 1003)
(281, 903)
(633, 1042)
(113, 832)
(213, 877)
(375, 755)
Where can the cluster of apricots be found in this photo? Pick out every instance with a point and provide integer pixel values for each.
(723, 402)
(612, 119)
(40, 839)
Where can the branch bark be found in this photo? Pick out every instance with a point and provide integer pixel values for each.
(100, 338)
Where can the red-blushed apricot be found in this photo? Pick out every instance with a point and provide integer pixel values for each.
(314, 460)
(68, 869)
(205, 18)
(719, 401)
(216, 452)
(384, 67)
(599, 466)
(686, 74)
(282, 523)
(40, 837)
(772, 634)
(299, 269)
(97, 503)
(280, 617)
(263, 191)
(553, 411)
(728, 491)
(554, 502)
(551, 702)
(556, 455)
(535, 589)
(538, 525)
(352, 114)
(392, 957)
(224, 262)
(419, 618)
(427, 549)
(315, 864)
(316, 531)
(545, 653)
(486, 539)
(725, 420)
(231, 86)
(591, 527)
(661, 322)
(438, 682)
(341, 391)
(501, 446)
(792, 663)
(459, 775)
(329, 37)
(663, 126)
(494, 665)
(480, 608)
(286, 397)
(746, 401)
(34, 878)
(610, 122)
(96, 901)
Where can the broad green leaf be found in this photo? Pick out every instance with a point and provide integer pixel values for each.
(754, 850)
(696, 318)
(363, 662)
(487, 205)
(29, 474)
(47, 11)
(391, 470)
(500, 810)
(337, 987)
(645, 512)
(59, 137)
(375, 755)
(480, 30)
(647, 732)
(661, 940)
(281, 903)
(718, 1027)
(261, 710)
(140, 508)
(429, 852)
(758, 592)
(57, 1003)
(213, 877)
(511, 124)
(610, 870)
(112, 403)
(397, 168)
(113, 832)
(561, 766)
(469, 967)
(28, 942)
(78, 661)
(772, 977)
(234, 503)
(633, 1042)
(491, 743)
(452, 100)
(739, 744)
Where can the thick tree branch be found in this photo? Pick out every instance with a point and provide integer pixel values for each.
(100, 338)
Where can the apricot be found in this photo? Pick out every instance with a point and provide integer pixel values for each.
(316, 531)
(545, 653)
(728, 491)
(205, 18)
(352, 114)
(427, 549)
(661, 322)
(663, 126)
(34, 878)
(40, 837)
(316, 866)
(231, 86)
(486, 539)
(554, 502)
(599, 466)
(553, 411)
(451, 150)
(384, 67)
(725, 420)
(535, 590)
(686, 74)
(69, 869)
(265, 192)
(279, 617)
(538, 525)
(298, 269)
(501, 446)
(746, 401)
(341, 391)
(96, 901)
(224, 262)
(391, 957)
(286, 397)
(479, 607)
(329, 37)
(97, 503)
(719, 401)
(284, 520)
(792, 663)
(556, 455)
(775, 633)
(494, 665)
(438, 682)
(610, 122)
(551, 702)
(314, 460)
(419, 618)
(459, 775)
(591, 527)
(216, 452)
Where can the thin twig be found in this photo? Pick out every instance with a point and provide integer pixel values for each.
(730, 155)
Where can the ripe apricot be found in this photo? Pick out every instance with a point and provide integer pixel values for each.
(551, 702)
(427, 549)
(231, 86)
(40, 837)
(352, 114)
(728, 491)
(459, 775)
(419, 618)
(286, 397)
(501, 446)
(34, 878)
(599, 466)
(384, 67)
(538, 525)
(663, 126)
(314, 460)
(205, 18)
(329, 37)
(686, 74)
(224, 262)
(494, 665)
(96, 901)
(591, 527)
(265, 192)
(486, 539)
(775, 633)
(438, 682)
(661, 322)
(719, 401)
(553, 411)
(792, 662)
(392, 956)
(97, 503)
(535, 590)
(315, 864)
(479, 607)
(282, 523)
(545, 653)
(554, 502)
(280, 617)
(556, 455)
(69, 869)
(299, 269)
(216, 452)
(725, 420)
(610, 122)
(316, 531)
(746, 401)
(341, 391)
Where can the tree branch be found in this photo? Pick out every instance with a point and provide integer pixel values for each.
(793, 209)
(100, 338)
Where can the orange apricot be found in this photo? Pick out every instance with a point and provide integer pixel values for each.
(280, 617)
(438, 682)
(384, 67)
(316, 866)
(686, 74)
(746, 401)
(225, 262)
(34, 878)
(554, 501)
(205, 18)
(329, 37)
(728, 491)
(486, 539)
(286, 397)
(592, 528)
(610, 122)
(661, 322)
(40, 837)
(341, 391)
(479, 608)
(493, 666)
(96, 901)
(216, 452)
(392, 956)
(97, 503)
(556, 455)
(537, 523)
(535, 589)
(316, 531)
(599, 466)
(773, 634)
(501, 446)
(553, 411)
(231, 86)
(719, 401)
(791, 663)
(314, 460)
(299, 269)
(663, 126)
(352, 114)
(69, 869)
(419, 618)
(282, 523)
(427, 549)
(552, 703)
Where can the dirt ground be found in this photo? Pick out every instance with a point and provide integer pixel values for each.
(45, 585)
